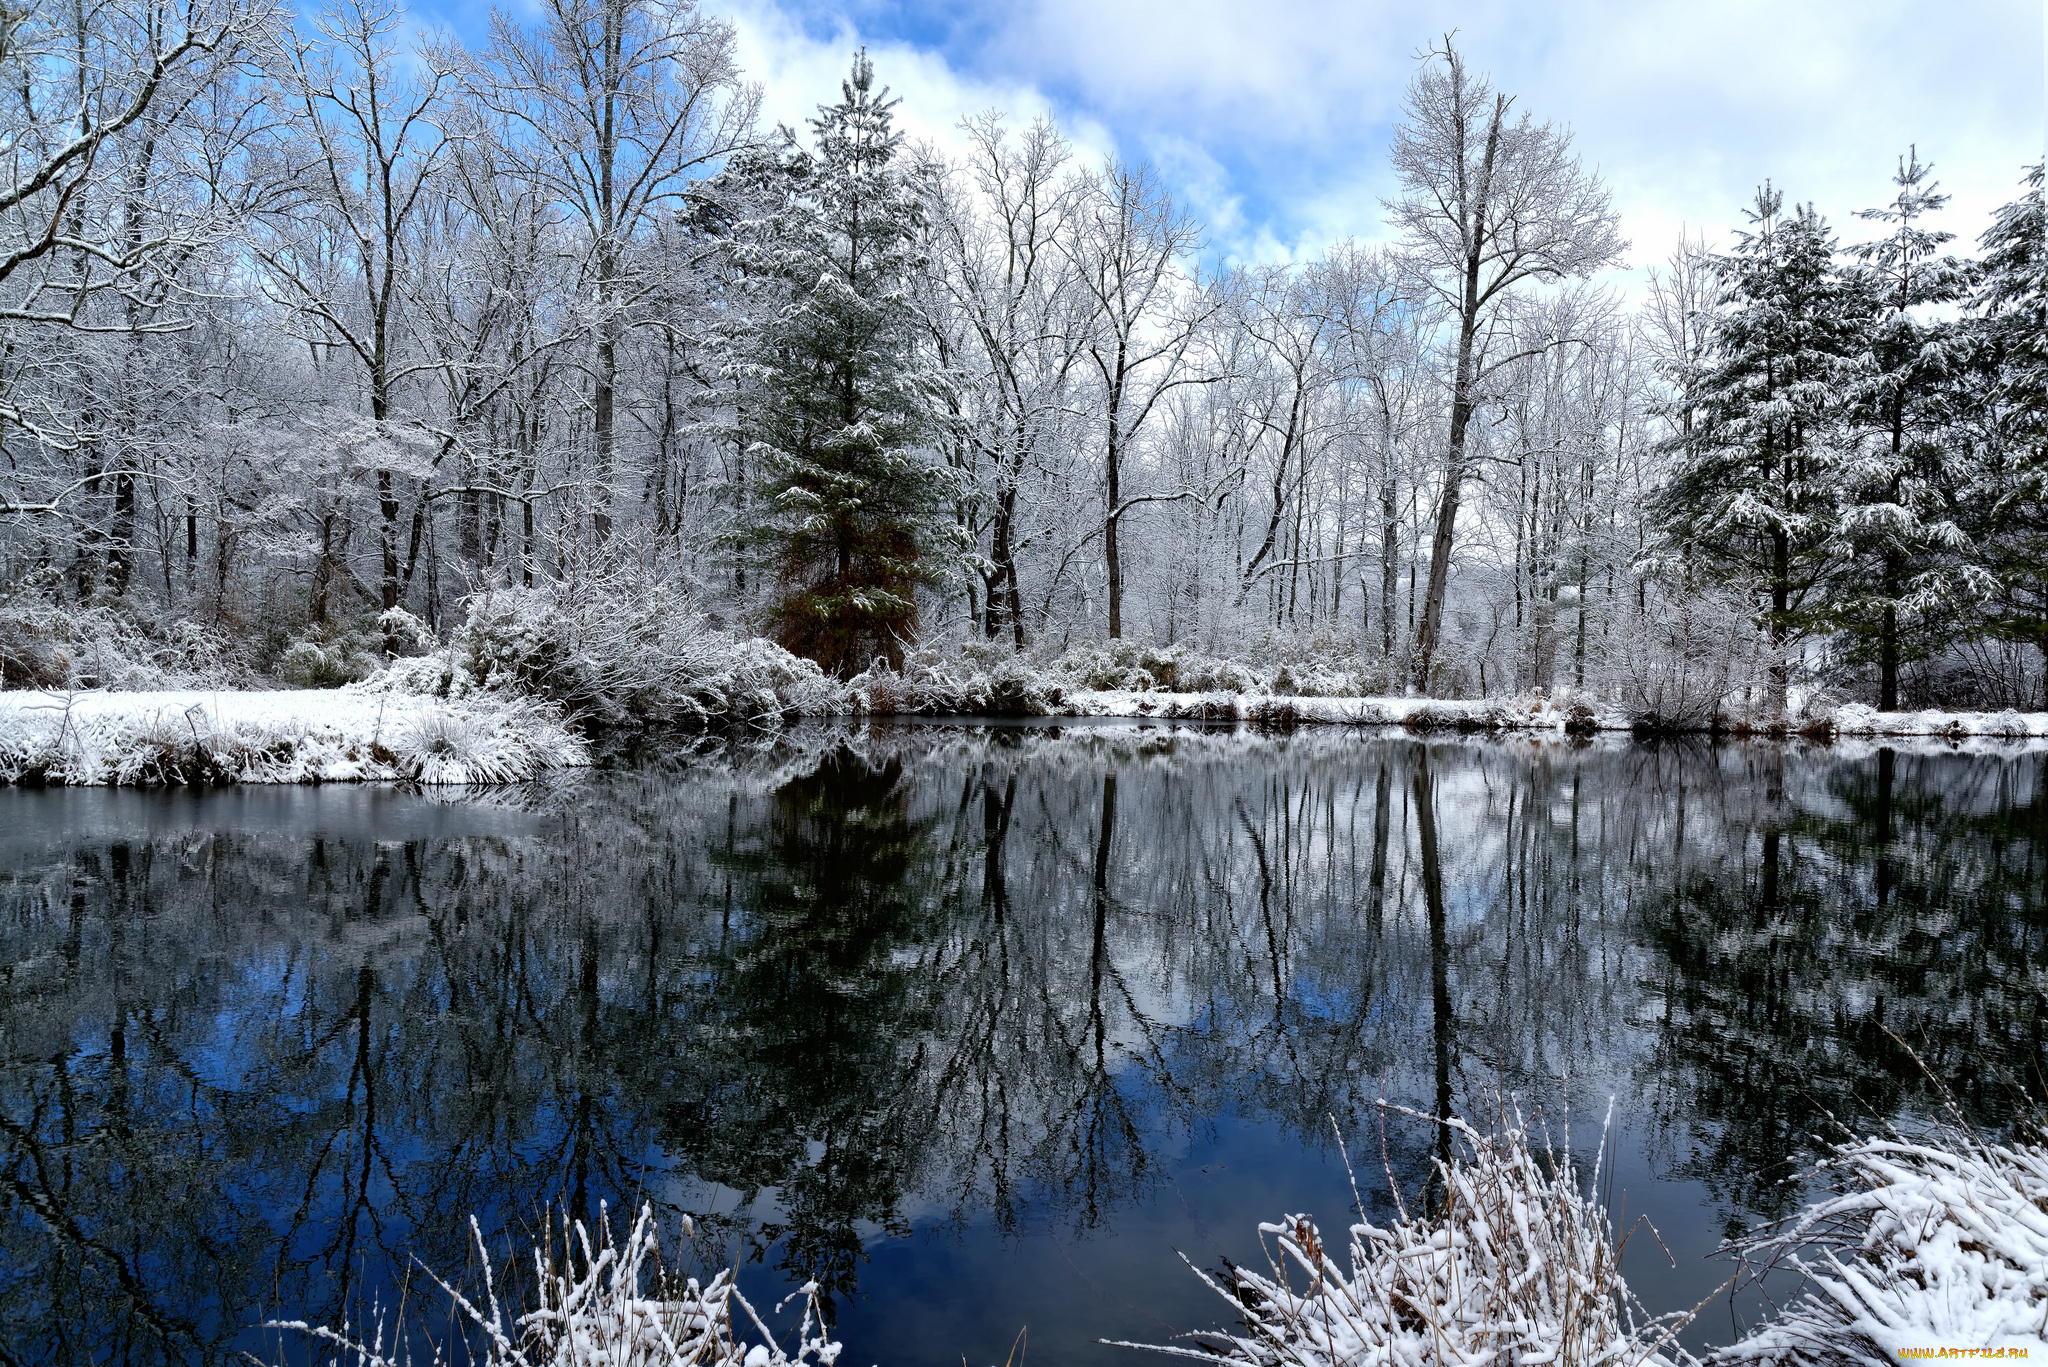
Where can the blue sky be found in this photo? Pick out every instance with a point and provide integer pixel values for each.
(1272, 120)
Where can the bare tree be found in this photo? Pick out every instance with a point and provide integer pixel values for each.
(618, 104)
(1486, 204)
(341, 257)
(1131, 252)
(91, 93)
(1016, 295)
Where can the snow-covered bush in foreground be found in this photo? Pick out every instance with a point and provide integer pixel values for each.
(1937, 1244)
(141, 739)
(1514, 1264)
(607, 1304)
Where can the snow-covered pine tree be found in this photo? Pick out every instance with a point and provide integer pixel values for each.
(1755, 493)
(2005, 414)
(1908, 556)
(838, 407)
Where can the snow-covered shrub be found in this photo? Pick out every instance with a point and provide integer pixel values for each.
(1515, 1263)
(1673, 667)
(759, 680)
(1015, 689)
(47, 644)
(1208, 674)
(1111, 666)
(602, 1303)
(927, 685)
(956, 682)
(448, 747)
(1206, 707)
(1138, 666)
(1936, 1243)
(1314, 667)
(1986, 672)
(320, 660)
(617, 654)
(1306, 679)
(1280, 710)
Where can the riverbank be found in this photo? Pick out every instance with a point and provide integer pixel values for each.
(1567, 714)
(276, 736)
(372, 733)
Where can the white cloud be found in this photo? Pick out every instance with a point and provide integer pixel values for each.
(800, 70)
(1274, 120)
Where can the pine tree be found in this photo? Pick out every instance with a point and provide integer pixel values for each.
(2004, 414)
(1909, 556)
(1755, 493)
(838, 406)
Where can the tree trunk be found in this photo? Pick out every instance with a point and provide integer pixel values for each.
(323, 572)
(604, 423)
(1781, 606)
(1112, 563)
(120, 549)
(1894, 572)
(387, 508)
(1390, 566)
(1464, 382)
(1888, 651)
(1004, 602)
(1447, 504)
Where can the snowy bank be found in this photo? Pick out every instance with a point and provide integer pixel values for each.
(1858, 719)
(314, 736)
(1417, 714)
(1566, 713)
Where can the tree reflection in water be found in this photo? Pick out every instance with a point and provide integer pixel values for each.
(980, 983)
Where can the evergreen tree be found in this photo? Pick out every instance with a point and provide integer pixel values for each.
(2004, 414)
(838, 406)
(1899, 527)
(1755, 493)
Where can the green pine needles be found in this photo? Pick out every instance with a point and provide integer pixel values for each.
(1756, 489)
(839, 405)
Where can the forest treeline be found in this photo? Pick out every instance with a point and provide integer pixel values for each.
(319, 340)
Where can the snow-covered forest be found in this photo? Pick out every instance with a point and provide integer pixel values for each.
(321, 343)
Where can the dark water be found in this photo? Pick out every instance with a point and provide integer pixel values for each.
(976, 1025)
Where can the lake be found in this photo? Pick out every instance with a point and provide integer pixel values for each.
(980, 1025)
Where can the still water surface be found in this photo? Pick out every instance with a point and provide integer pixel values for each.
(976, 1025)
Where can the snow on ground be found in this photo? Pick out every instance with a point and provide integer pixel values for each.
(368, 733)
(1532, 714)
(1526, 713)
(310, 736)
(1858, 719)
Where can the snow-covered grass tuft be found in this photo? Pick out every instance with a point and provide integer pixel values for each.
(605, 1304)
(1942, 1243)
(313, 736)
(1514, 1263)
(444, 747)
